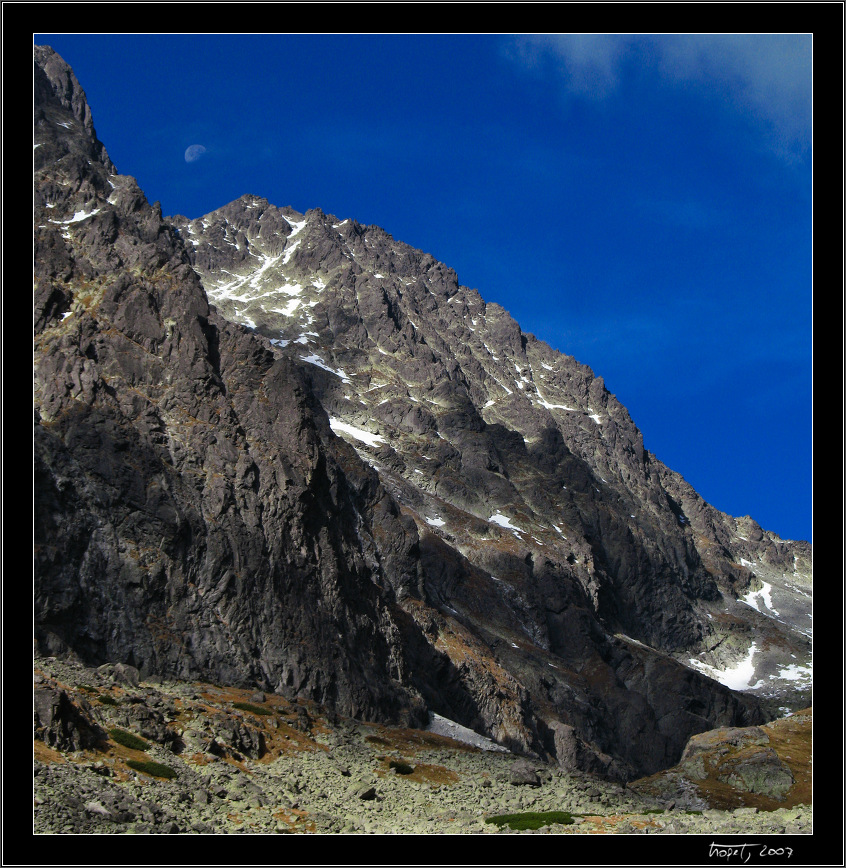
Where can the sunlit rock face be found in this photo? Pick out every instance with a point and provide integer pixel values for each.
(286, 450)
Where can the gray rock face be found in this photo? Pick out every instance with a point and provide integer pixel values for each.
(724, 739)
(762, 766)
(523, 773)
(352, 480)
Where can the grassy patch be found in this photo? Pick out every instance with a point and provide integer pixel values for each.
(127, 739)
(531, 819)
(410, 741)
(148, 767)
(253, 709)
(421, 773)
(45, 754)
(107, 699)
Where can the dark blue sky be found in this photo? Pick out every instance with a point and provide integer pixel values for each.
(641, 203)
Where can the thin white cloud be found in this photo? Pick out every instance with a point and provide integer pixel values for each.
(766, 77)
(591, 62)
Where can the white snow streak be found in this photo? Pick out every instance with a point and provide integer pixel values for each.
(795, 673)
(444, 726)
(504, 521)
(79, 215)
(764, 594)
(296, 225)
(365, 436)
(289, 251)
(317, 361)
(544, 403)
(289, 309)
(737, 678)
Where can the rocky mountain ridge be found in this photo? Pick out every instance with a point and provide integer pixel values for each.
(375, 492)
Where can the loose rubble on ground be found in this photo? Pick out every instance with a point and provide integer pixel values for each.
(251, 762)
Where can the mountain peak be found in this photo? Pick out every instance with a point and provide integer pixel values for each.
(61, 102)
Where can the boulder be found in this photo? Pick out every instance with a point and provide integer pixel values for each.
(523, 773)
(758, 770)
(365, 791)
(723, 738)
(62, 723)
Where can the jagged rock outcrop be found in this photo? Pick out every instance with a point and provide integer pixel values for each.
(350, 479)
(61, 722)
(760, 766)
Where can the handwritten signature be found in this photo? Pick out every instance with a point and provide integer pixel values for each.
(744, 852)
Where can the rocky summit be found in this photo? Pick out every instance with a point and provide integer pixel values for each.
(286, 453)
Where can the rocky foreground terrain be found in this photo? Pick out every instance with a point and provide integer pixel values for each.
(248, 762)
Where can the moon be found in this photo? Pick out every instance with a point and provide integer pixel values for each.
(193, 153)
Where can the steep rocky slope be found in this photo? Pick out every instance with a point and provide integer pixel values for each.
(357, 482)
